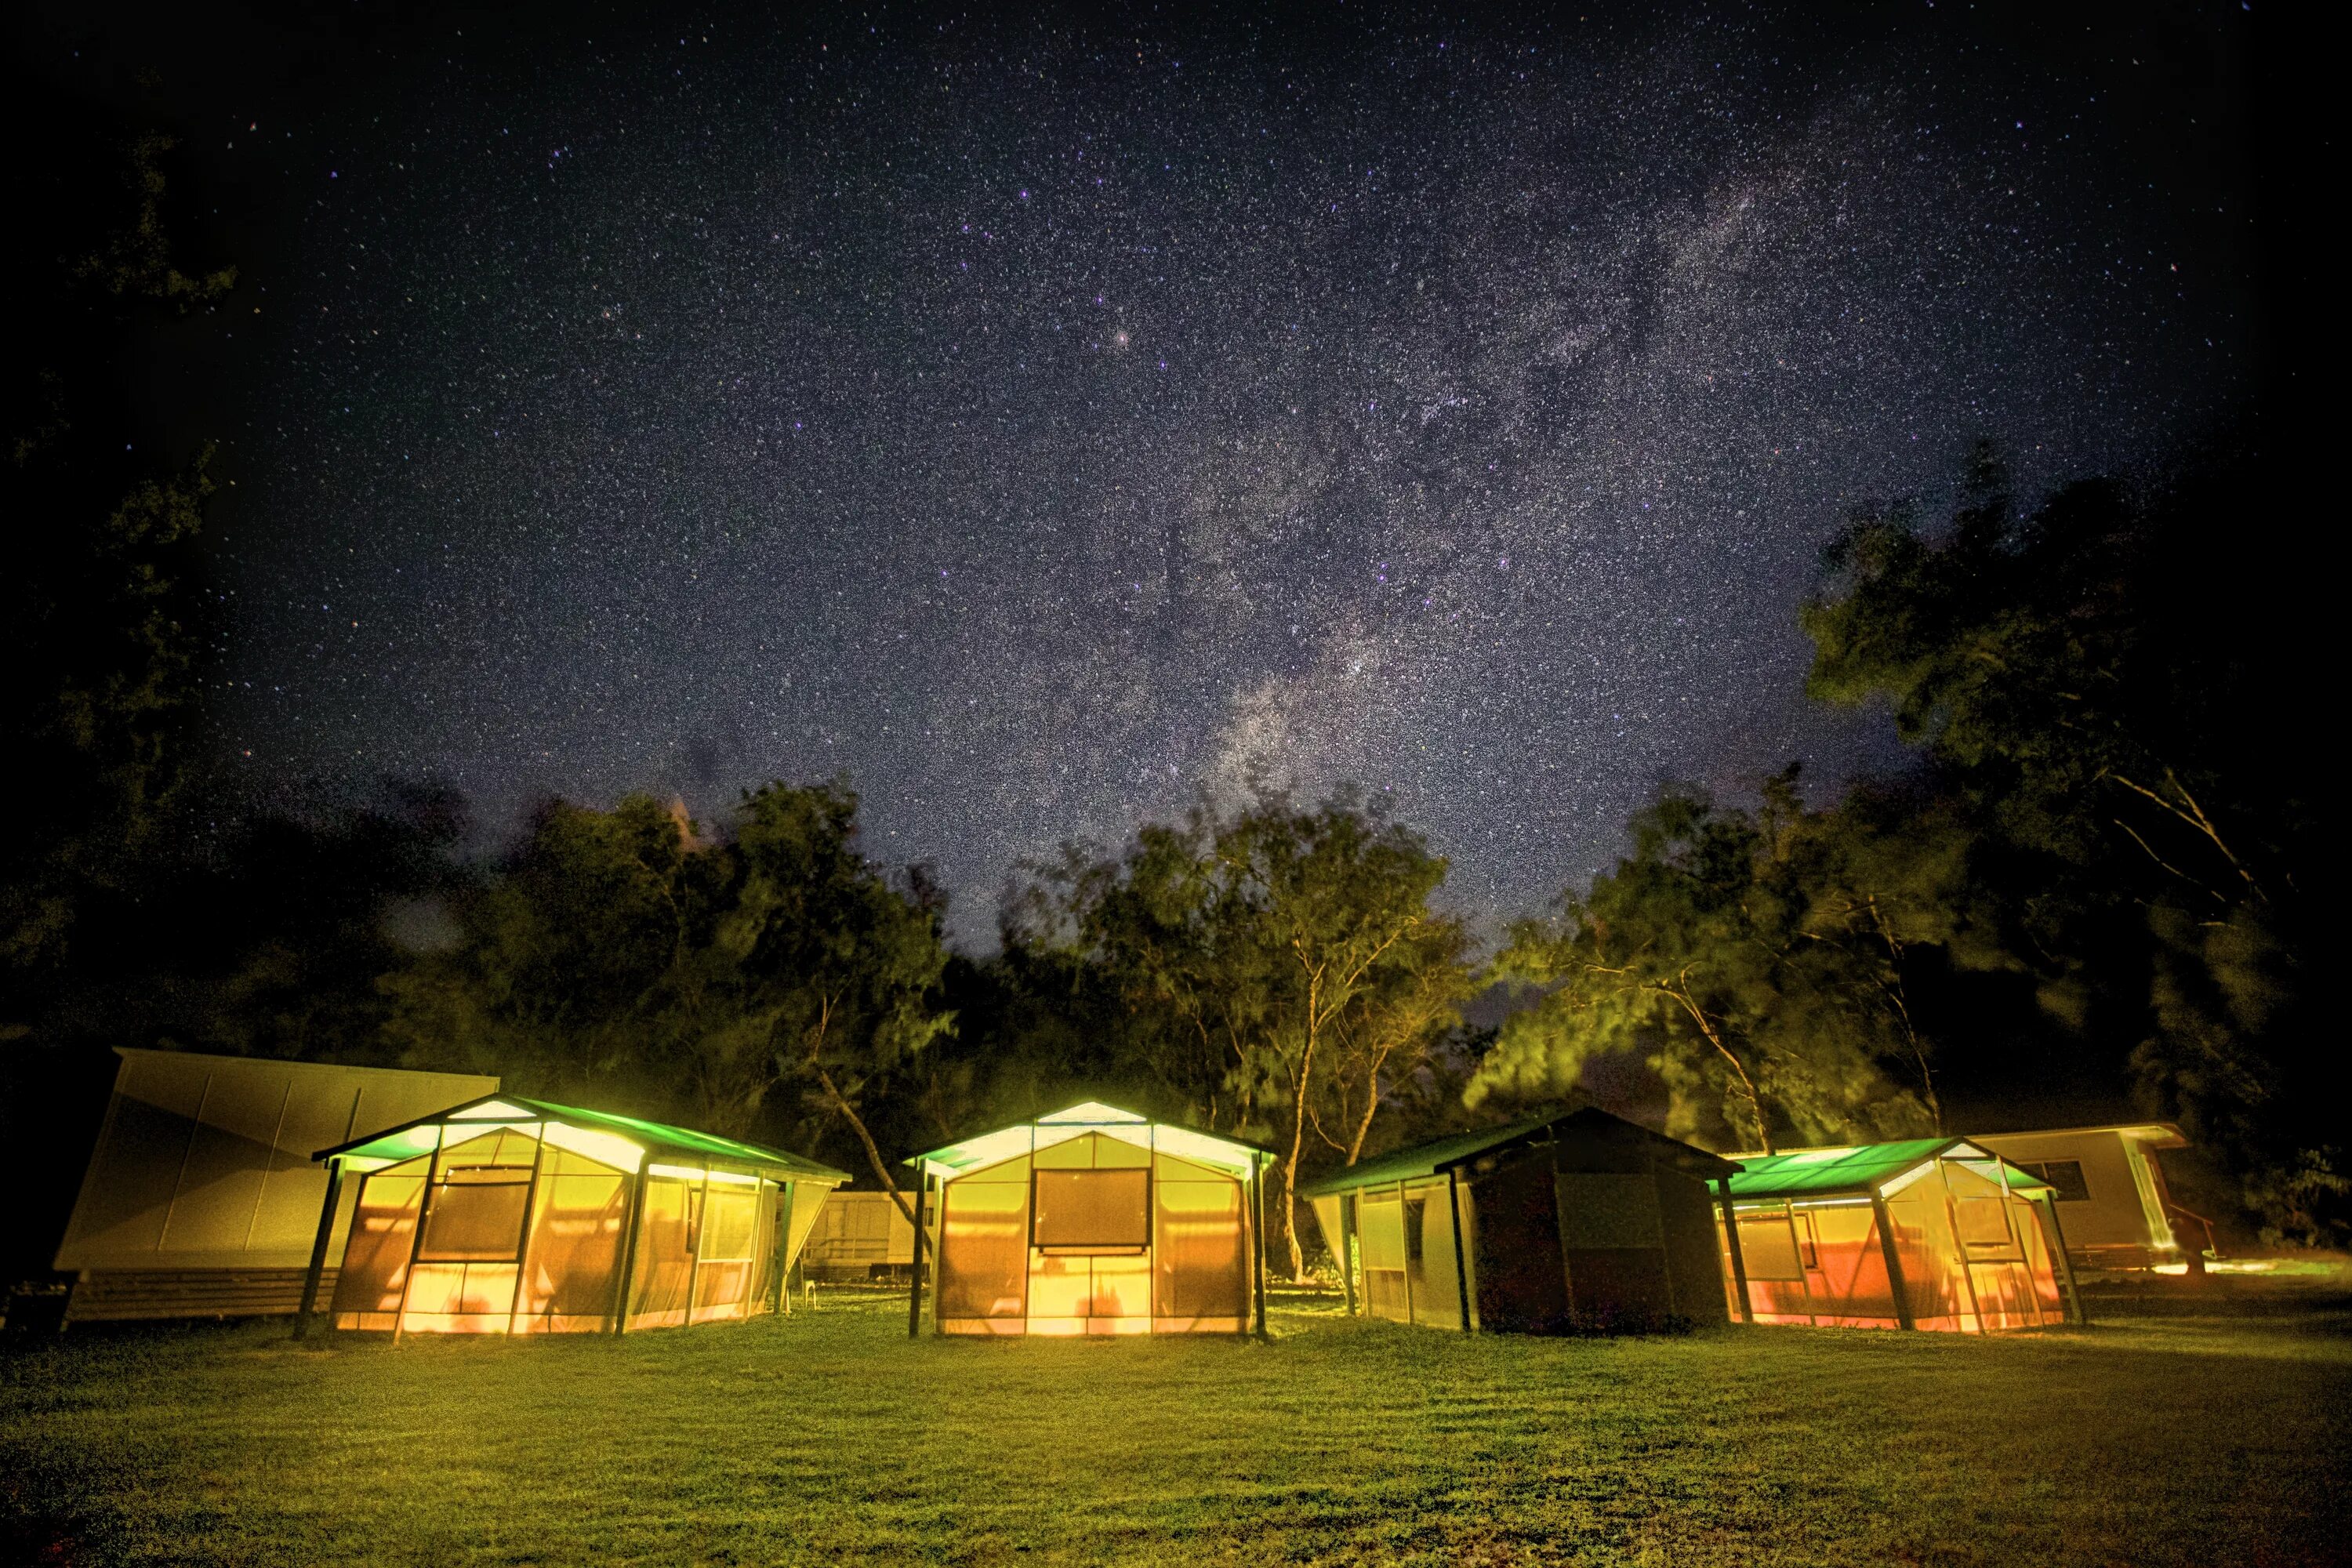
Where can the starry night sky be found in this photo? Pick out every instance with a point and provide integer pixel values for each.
(1044, 424)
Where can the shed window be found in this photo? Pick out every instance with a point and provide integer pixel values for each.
(2065, 1175)
(1092, 1210)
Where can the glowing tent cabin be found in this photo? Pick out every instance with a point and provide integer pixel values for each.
(1092, 1221)
(1540, 1227)
(201, 1198)
(2111, 1194)
(1933, 1233)
(543, 1219)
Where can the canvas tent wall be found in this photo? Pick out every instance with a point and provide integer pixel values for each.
(1092, 1220)
(545, 1219)
(201, 1198)
(2110, 1190)
(1925, 1234)
(860, 1236)
(1539, 1228)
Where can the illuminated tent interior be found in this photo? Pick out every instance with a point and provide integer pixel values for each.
(1540, 1227)
(1932, 1233)
(1092, 1221)
(544, 1218)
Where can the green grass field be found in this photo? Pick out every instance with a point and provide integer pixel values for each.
(829, 1438)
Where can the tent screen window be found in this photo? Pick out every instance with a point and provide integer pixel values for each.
(1092, 1209)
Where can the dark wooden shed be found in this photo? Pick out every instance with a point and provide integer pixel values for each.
(1567, 1222)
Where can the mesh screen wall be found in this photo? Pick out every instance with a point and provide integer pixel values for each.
(1971, 1252)
(522, 1237)
(1096, 1234)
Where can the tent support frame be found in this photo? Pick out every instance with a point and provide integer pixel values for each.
(522, 1241)
(416, 1242)
(1961, 1244)
(1896, 1284)
(624, 1278)
(318, 1270)
(1731, 1245)
(2064, 1262)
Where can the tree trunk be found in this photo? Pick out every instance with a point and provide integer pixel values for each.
(1283, 1225)
(873, 1154)
(1371, 1106)
(1755, 1102)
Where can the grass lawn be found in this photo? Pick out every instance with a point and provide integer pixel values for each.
(828, 1438)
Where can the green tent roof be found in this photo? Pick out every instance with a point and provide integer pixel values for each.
(1863, 1168)
(1445, 1154)
(654, 1136)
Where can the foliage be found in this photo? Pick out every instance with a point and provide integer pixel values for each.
(1276, 972)
(101, 614)
(2104, 691)
(1757, 962)
(618, 957)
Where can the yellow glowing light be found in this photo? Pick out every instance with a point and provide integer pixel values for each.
(605, 1147)
(696, 1173)
(492, 1110)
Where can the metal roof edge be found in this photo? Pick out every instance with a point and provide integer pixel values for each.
(2124, 1128)
(129, 1051)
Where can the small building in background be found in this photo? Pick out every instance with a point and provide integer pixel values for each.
(541, 1218)
(1092, 1220)
(201, 1198)
(1579, 1220)
(1931, 1232)
(860, 1237)
(2113, 1204)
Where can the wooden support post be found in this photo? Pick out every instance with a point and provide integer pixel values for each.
(1896, 1284)
(1461, 1267)
(319, 1250)
(1731, 1247)
(625, 1274)
(914, 1290)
